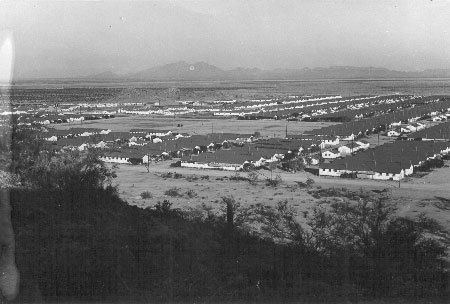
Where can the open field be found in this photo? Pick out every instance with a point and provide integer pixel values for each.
(268, 128)
(412, 198)
(256, 89)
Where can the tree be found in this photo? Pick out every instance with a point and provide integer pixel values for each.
(383, 253)
(69, 171)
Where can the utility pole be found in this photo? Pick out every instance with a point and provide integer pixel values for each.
(79, 112)
(378, 129)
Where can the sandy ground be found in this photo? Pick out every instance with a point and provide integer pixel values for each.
(267, 127)
(415, 195)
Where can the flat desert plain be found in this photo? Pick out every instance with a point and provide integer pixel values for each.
(267, 127)
(429, 194)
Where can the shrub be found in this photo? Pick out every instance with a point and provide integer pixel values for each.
(238, 177)
(293, 164)
(191, 178)
(177, 175)
(307, 184)
(166, 175)
(310, 181)
(164, 208)
(191, 193)
(382, 253)
(252, 178)
(176, 164)
(146, 195)
(230, 208)
(430, 164)
(351, 175)
(274, 182)
(174, 192)
(340, 192)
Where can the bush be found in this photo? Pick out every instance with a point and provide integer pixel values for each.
(191, 193)
(191, 178)
(237, 177)
(351, 175)
(307, 184)
(382, 253)
(274, 182)
(166, 175)
(174, 192)
(146, 195)
(430, 164)
(293, 164)
(252, 178)
(176, 164)
(310, 181)
(340, 192)
(164, 208)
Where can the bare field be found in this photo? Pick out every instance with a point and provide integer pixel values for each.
(267, 127)
(429, 194)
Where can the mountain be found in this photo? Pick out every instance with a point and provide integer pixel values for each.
(203, 71)
(103, 76)
(180, 71)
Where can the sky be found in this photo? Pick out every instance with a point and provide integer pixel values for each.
(75, 38)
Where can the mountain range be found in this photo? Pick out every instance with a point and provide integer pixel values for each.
(203, 71)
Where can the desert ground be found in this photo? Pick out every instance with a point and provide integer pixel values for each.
(267, 127)
(429, 194)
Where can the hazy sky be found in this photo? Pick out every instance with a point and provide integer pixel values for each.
(71, 38)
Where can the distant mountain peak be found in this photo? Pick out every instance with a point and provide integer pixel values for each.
(103, 75)
(201, 70)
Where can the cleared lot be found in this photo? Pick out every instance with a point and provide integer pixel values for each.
(268, 128)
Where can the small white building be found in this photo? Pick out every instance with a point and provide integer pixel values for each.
(331, 154)
(405, 129)
(363, 144)
(349, 148)
(52, 138)
(393, 133)
(327, 142)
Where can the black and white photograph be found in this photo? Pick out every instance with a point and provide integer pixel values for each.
(212, 151)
